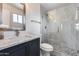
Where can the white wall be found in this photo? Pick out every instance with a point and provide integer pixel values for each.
(32, 13)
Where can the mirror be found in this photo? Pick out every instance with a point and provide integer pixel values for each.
(18, 17)
(12, 16)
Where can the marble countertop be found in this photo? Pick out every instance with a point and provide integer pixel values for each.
(9, 42)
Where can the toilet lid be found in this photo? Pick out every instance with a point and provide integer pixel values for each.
(46, 46)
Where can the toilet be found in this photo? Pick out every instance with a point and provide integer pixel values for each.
(45, 49)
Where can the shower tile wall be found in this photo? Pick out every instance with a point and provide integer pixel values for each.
(43, 24)
(63, 38)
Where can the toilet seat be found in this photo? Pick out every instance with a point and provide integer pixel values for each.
(46, 47)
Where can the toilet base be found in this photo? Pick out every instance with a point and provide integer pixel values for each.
(44, 53)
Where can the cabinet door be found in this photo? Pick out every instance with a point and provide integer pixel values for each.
(34, 48)
(27, 50)
(18, 50)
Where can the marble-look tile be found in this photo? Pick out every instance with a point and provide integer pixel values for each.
(63, 41)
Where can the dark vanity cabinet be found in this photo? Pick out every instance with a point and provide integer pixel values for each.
(34, 48)
(31, 48)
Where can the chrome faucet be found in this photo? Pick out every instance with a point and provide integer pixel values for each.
(1, 35)
(17, 32)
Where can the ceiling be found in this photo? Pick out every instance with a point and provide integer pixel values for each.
(50, 6)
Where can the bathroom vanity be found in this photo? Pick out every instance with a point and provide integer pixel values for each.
(23, 47)
(13, 18)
